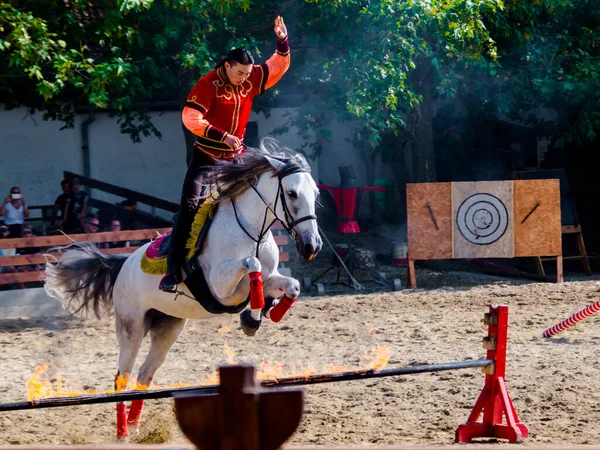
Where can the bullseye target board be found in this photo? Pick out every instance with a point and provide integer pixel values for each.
(484, 219)
(483, 226)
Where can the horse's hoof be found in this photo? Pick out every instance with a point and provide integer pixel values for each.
(249, 325)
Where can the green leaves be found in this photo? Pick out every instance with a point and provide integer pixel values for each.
(368, 50)
(352, 59)
(134, 5)
(111, 54)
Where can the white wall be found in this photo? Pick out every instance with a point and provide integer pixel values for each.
(337, 152)
(33, 155)
(278, 118)
(155, 166)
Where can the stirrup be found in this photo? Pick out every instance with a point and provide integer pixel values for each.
(169, 283)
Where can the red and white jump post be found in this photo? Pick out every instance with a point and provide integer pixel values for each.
(494, 401)
(572, 320)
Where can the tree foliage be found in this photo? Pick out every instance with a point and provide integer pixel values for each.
(550, 58)
(110, 54)
(362, 53)
(377, 62)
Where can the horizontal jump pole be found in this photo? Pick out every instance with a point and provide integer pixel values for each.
(151, 394)
(498, 446)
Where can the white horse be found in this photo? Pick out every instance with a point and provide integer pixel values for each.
(262, 188)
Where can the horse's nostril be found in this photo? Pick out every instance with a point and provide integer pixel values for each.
(308, 249)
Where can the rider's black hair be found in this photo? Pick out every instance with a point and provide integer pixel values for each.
(238, 55)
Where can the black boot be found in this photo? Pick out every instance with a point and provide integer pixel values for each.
(175, 256)
(168, 283)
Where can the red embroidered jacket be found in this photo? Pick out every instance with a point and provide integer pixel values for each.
(215, 107)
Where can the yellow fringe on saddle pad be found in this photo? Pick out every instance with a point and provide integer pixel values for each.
(153, 266)
(205, 211)
(159, 266)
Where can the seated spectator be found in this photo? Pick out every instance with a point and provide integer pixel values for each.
(60, 205)
(14, 211)
(28, 232)
(76, 208)
(115, 225)
(91, 223)
(4, 231)
(4, 234)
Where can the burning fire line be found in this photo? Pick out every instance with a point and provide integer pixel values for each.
(210, 390)
(40, 387)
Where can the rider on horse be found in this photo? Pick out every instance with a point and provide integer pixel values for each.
(217, 111)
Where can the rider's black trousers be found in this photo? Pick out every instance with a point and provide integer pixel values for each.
(190, 200)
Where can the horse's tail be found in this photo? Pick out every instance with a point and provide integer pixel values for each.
(83, 278)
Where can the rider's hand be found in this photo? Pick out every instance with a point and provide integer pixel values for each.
(233, 142)
(280, 29)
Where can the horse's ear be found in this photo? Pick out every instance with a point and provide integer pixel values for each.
(278, 165)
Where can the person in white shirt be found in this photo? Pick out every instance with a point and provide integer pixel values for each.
(14, 211)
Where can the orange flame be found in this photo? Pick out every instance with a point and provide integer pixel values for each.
(41, 386)
(229, 353)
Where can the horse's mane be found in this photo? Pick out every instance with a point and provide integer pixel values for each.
(233, 179)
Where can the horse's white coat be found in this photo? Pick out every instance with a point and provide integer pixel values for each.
(227, 257)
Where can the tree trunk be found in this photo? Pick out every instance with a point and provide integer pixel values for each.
(401, 175)
(423, 154)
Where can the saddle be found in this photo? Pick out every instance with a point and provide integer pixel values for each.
(154, 261)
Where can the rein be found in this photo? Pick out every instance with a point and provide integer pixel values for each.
(288, 224)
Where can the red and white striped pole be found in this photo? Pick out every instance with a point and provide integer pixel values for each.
(569, 322)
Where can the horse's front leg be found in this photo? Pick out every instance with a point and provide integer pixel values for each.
(277, 285)
(225, 281)
(224, 278)
(274, 288)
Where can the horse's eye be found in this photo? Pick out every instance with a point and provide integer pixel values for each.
(293, 195)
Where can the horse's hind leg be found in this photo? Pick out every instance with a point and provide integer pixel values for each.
(164, 331)
(130, 332)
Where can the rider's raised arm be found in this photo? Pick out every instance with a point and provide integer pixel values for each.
(268, 74)
(196, 106)
(279, 63)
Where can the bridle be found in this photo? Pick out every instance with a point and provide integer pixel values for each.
(288, 223)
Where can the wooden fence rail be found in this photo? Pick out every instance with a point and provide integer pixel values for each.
(46, 242)
(123, 192)
(43, 243)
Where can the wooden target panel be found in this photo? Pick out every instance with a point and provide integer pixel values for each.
(484, 219)
(429, 207)
(537, 218)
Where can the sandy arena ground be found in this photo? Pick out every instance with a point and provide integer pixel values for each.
(554, 383)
